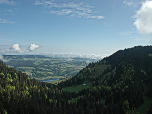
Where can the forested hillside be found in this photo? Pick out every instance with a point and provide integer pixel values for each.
(118, 84)
(122, 80)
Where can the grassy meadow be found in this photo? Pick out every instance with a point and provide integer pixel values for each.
(77, 87)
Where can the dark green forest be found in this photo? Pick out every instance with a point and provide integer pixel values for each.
(118, 84)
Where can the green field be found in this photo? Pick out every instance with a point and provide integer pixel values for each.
(76, 88)
(144, 107)
(42, 67)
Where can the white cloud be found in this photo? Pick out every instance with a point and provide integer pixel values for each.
(95, 17)
(38, 2)
(62, 12)
(128, 3)
(7, 2)
(71, 9)
(16, 47)
(33, 47)
(6, 21)
(132, 3)
(143, 18)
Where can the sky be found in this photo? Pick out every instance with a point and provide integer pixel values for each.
(74, 26)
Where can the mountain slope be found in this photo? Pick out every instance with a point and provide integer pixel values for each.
(136, 60)
(21, 95)
(120, 84)
(126, 78)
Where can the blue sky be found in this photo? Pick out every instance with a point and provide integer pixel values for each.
(73, 26)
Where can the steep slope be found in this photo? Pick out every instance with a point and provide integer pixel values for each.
(21, 95)
(133, 63)
(18, 93)
(122, 78)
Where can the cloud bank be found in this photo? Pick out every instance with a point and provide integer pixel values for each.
(143, 18)
(70, 9)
